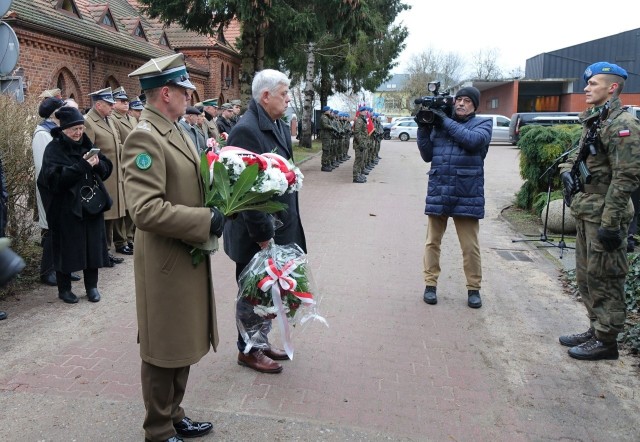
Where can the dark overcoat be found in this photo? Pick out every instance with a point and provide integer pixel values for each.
(79, 240)
(175, 303)
(256, 132)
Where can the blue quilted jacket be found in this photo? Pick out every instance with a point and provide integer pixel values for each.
(456, 151)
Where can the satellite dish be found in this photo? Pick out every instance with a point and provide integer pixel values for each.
(8, 49)
(4, 6)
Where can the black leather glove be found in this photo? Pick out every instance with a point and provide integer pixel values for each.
(438, 116)
(569, 187)
(610, 239)
(217, 222)
(421, 125)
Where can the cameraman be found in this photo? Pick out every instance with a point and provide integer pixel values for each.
(456, 147)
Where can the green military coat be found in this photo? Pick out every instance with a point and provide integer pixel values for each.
(106, 137)
(174, 300)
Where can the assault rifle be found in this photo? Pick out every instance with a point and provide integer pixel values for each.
(580, 174)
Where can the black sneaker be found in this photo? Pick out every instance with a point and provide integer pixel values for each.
(474, 300)
(188, 428)
(578, 338)
(429, 295)
(594, 350)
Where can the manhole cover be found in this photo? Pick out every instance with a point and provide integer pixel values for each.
(514, 255)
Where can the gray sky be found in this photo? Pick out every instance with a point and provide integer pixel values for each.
(519, 30)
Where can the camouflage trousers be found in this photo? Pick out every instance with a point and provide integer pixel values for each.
(600, 276)
(325, 160)
(358, 162)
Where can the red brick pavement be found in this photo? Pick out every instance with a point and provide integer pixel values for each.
(388, 363)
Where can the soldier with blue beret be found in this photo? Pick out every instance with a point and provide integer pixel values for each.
(602, 209)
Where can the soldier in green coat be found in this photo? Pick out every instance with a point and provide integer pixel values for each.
(603, 209)
(360, 144)
(326, 136)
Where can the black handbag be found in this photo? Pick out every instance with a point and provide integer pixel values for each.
(94, 199)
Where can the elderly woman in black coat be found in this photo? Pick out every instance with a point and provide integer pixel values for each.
(70, 179)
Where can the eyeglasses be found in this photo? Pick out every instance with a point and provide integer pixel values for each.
(187, 92)
(75, 129)
(464, 100)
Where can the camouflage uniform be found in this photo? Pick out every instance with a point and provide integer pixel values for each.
(360, 142)
(606, 203)
(346, 127)
(326, 136)
(336, 140)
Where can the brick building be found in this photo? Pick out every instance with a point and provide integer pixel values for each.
(81, 46)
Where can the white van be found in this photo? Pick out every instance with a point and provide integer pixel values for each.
(501, 123)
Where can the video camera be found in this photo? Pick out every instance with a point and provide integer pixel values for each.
(442, 101)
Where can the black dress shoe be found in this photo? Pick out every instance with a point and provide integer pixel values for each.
(93, 295)
(68, 297)
(124, 250)
(429, 295)
(188, 428)
(49, 279)
(3, 315)
(75, 277)
(130, 244)
(115, 260)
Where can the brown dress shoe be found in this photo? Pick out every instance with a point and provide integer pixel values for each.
(276, 354)
(259, 362)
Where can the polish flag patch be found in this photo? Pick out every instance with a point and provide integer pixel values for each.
(624, 133)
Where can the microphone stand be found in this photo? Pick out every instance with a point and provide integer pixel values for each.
(549, 242)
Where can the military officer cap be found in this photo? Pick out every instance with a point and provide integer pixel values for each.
(236, 103)
(103, 94)
(120, 94)
(226, 106)
(603, 67)
(192, 110)
(136, 104)
(200, 108)
(162, 71)
(210, 102)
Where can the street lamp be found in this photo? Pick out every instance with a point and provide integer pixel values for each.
(227, 83)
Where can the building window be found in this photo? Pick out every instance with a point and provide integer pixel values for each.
(139, 31)
(107, 20)
(494, 103)
(68, 6)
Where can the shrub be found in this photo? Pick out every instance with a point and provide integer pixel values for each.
(17, 123)
(540, 147)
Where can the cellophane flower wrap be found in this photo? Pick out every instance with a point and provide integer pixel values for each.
(276, 284)
(237, 179)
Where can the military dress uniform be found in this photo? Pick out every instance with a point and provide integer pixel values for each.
(102, 132)
(175, 303)
(605, 205)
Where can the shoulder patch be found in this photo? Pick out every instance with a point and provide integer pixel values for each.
(144, 126)
(624, 133)
(143, 161)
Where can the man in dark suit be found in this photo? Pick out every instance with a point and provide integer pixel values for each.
(260, 130)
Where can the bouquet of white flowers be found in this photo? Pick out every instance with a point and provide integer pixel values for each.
(237, 179)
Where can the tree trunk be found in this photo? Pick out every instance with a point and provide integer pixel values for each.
(248, 55)
(309, 94)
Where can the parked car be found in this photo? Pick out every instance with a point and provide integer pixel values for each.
(404, 130)
(500, 132)
(520, 119)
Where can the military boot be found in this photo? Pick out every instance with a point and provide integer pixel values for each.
(326, 169)
(578, 338)
(473, 299)
(359, 179)
(429, 295)
(594, 350)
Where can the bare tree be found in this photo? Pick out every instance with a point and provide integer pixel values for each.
(432, 65)
(485, 65)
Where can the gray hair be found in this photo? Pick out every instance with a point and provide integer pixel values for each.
(268, 80)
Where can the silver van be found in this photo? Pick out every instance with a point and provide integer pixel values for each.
(500, 133)
(520, 119)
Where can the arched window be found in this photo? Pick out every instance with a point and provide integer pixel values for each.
(233, 76)
(60, 83)
(221, 75)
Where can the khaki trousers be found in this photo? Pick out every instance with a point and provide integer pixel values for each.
(467, 230)
(162, 393)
